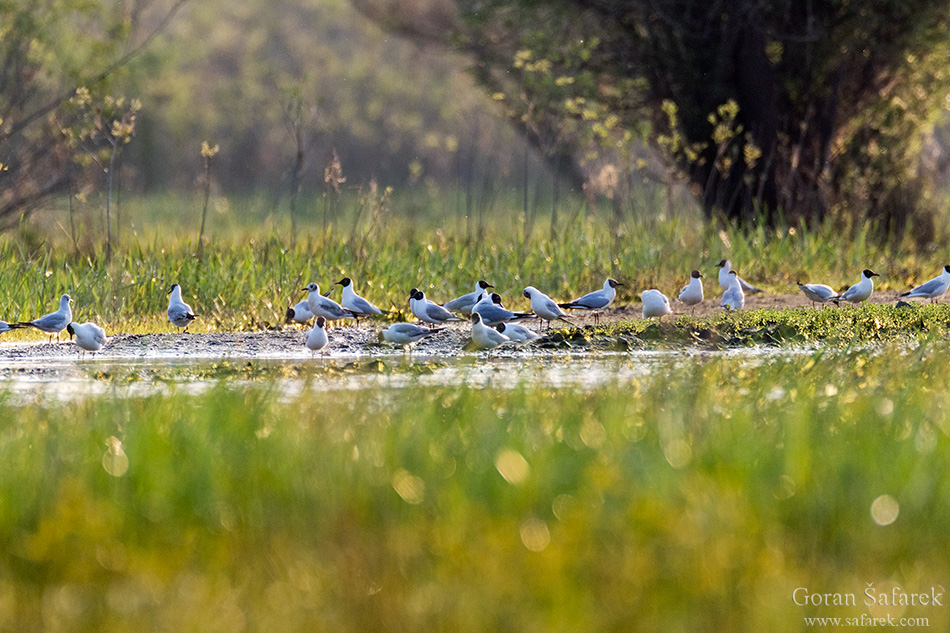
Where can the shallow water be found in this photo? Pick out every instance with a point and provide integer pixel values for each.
(65, 377)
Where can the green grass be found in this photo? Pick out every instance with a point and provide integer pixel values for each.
(692, 498)
(251, 272)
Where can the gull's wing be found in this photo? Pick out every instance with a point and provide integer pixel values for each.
(747, 287)
(180, 311)
(462, 302)
(929, 288)
(493, 314)
(333, 309)
(591, 301)
(51, 320)
(408, 329)
(438, 313)
(822, 290)
(550, 305)
(363, 306)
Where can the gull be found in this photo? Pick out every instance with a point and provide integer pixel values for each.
(518, 333)
(179, 312)
(465, 303)
(692, 293)
(300, 313)
(486, 337)
(406, 334)
(933, 289)
(733, 298)
(544, 306)
(52, 323)
(325, 307)
(493, 313)
(355, 303)
(860, 291)
(5, 327)
(655, 303)
(818, 293)
(428, 311)
(597, 300)
(89, 336)
(317, 338)
(725, 266)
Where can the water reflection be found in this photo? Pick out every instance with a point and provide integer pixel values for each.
(66, 379)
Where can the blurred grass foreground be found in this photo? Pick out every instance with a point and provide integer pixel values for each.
(694, 499)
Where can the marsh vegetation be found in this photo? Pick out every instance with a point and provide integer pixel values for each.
(696, 495)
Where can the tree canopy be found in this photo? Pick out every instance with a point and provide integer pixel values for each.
(778, 110)
(784, 111)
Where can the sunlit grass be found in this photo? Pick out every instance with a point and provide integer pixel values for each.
(250, 273)
(697, 498)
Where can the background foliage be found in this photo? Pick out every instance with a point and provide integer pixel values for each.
(761, 120)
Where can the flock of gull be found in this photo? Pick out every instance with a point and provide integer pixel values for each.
(492, 324)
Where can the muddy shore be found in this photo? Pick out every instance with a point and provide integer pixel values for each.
(345, 340)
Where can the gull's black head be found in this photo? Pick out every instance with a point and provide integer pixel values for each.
(290, 315)
(947, 268)
(346, 281)
(614, 283)
(476, 317)
(527, 294)
(69, 329)
(496, 298)
(321, 322)
(870, 273)
(695, 274)
(484, 284)
(500, 327)
(722, 263)
(172, 289)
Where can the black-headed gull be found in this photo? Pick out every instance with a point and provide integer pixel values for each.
(355, 303)
(725, 266)
(465, 303)
(179, 312)
(300, 313)
(406, 334)
(597, 300)
(544, 306)
(818, 293)
(733, 298)
(493, 313)
(317, 338)
(518, 333)
(52, 323)
(933, 289)
(428, 311)
(692, 292)
(89, 336)
(655, 303)
(860, 291)
(324, 306)
(486, 337)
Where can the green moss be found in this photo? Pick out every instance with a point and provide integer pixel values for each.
(846, 325)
